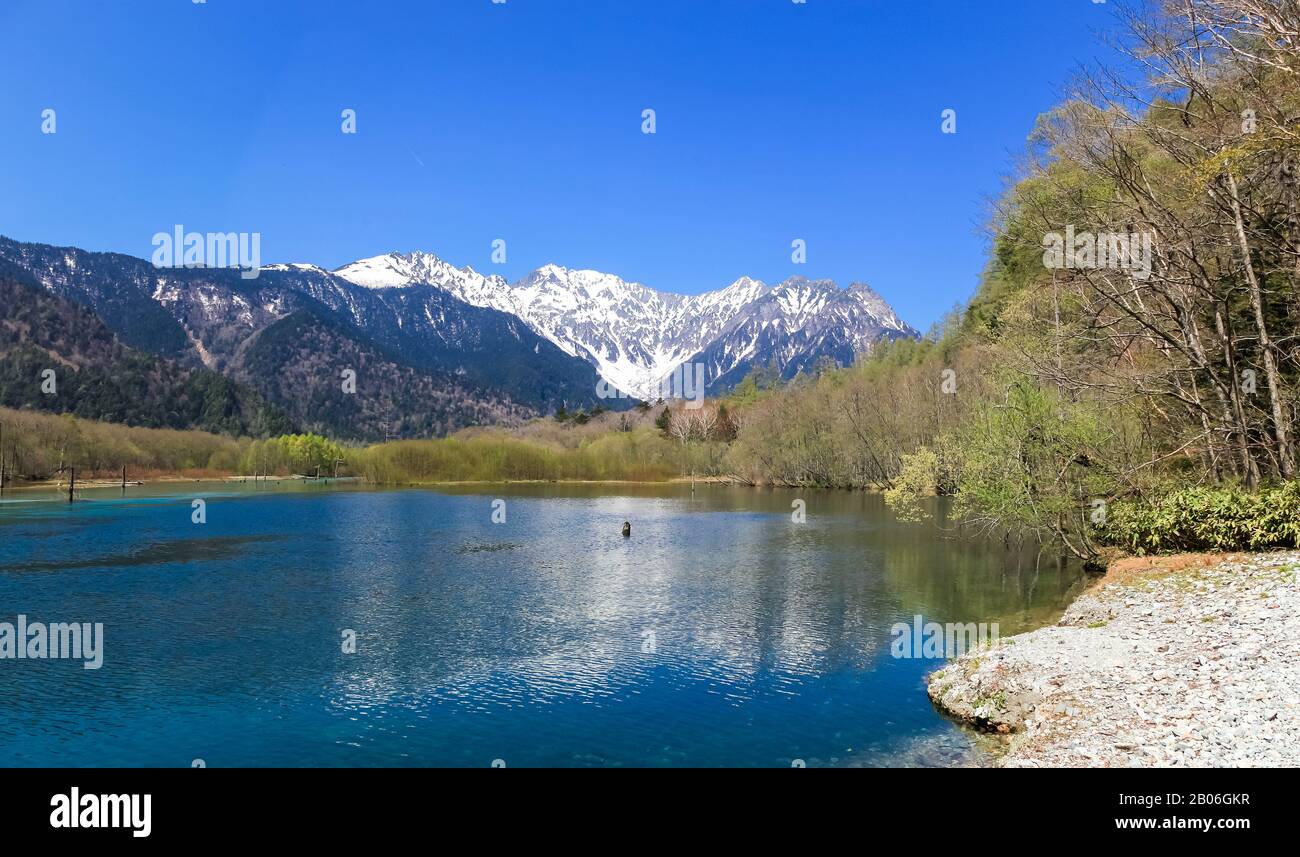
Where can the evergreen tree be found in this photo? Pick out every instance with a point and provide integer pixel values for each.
(664, 421)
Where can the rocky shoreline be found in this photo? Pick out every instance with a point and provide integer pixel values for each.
(1187, 661)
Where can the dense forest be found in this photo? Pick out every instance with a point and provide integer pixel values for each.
(59, 357)
(334, 381)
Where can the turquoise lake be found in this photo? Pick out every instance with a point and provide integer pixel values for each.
(721, 633)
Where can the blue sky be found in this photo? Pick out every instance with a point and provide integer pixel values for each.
(522, 121)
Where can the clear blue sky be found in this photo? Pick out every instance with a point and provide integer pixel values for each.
(522, 121)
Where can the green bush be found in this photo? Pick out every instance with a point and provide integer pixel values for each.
(1207, 519)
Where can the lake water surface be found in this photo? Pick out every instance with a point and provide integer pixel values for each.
(720, 633)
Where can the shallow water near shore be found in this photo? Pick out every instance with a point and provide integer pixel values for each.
(720, 633)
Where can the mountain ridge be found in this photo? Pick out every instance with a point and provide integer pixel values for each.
(637, 336)
(59, 357)
(481, 349)
(473, 365)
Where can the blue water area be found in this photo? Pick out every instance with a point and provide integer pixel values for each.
(721, 633)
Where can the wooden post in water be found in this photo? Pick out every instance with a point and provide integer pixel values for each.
(72, 482)
(123, 480)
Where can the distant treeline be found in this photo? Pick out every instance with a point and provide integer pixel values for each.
(638, 456)
(36, 446)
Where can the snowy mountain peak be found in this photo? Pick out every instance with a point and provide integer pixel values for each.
(636, 336)
(296, 266)
(399, 270)
(744, 290)
(580, 281)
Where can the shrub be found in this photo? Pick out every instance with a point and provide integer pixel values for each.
(1207, 519)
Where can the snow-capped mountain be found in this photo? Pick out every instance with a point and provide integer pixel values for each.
(426, 361)
(394, 271)
(796, 324)
(637, 336)
(437, 347)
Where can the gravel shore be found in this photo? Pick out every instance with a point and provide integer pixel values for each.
(1168, 662)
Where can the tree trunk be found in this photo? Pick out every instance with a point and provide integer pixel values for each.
(1281, 427)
